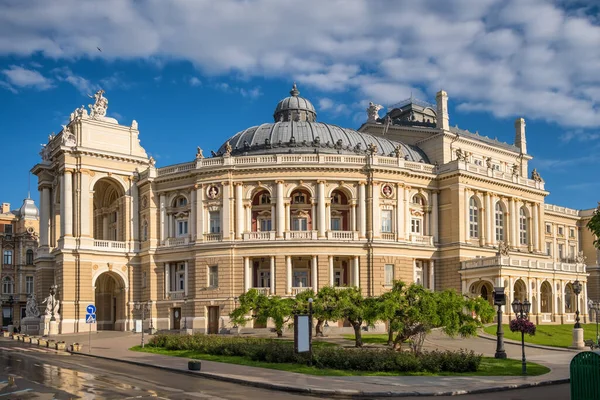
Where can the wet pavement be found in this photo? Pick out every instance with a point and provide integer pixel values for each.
(33, 374)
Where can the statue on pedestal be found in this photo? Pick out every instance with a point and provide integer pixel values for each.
(52, 303)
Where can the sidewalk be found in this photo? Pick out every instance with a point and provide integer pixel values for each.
(115, 345)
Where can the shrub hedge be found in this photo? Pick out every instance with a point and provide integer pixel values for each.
(333, 357)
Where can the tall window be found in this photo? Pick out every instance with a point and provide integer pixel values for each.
(499, 222)
(181, 202)
(418, 276)
(182, 228)
(561, 231)
(415, 226)
(181, 277)
(265, 198)
(386, 221)
(561, 251)
(571, 232)
(389, 274)
(265, 224)
(7, 257)
(144, 231)
(215, 221)
(29, 285)
(29, 257)
(299, 224)
(8, 229)
(548, 248)
(522, 226)
(7, 285)
(213, 276)
(572, 252)
(336, 224)
(473, 218)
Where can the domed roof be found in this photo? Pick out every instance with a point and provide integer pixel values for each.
(295, 130)
(294, 108)
(28, 210)
(314, 137)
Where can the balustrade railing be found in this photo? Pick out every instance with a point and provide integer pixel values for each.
(342, 235)
(172, 242)
(388, 236)
(269, 235)
(295, 235)
(110, 245)
(263, 290)
(213, 237)
(422, 239)
(297, 290)
(523, 263)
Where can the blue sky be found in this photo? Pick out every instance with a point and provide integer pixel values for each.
(195, 73)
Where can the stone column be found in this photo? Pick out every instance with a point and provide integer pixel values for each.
(167, 280)
(353, 216)
(199, 213)
(226, 214)
(163, 218)
(193, 218)
(400, 227)
(431, 275)
(185, 279)
(467, 215)
(536, 227)
(407, 213)
(321, 224)
(105, 226)
(135, 214)
(555, 294)
(356, 274)
(288, 217)
(85, 217)
(314, 275)
(280, 210)
(376, 222)
(511, 223)
(434, 216)
(247, 274)
(330, 263)
(273, 221)
(511, 295)
(239, 211)
(44, 216)
(541, 236)
(67, 204)
(248, 211)
(288, 277)
(489, 217)
(272, 270)
(562, 297)
(362, 211)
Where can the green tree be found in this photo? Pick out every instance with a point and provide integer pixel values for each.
(250, 303)
(356, 309)
(325, 306)
(259, 307)
(594, 226)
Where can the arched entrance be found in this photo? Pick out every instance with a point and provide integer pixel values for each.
(483, 289)
(520, 291)
(546, 297)
(109, 203)
(110, 302)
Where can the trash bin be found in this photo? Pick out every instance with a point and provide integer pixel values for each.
(585, 376)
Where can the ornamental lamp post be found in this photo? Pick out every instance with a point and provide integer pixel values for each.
(521, 310)
(577, 289)
(143, 308)
(596, 308)
(499, 301)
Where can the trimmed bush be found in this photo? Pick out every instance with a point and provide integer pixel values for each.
(333, 357)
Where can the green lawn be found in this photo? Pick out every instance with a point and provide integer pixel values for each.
(548, 335)
(488, 366)
(373, 338)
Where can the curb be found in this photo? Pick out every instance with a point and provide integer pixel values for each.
(340, 393)
(535, 346)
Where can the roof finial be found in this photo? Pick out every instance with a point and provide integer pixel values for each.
(294, 92)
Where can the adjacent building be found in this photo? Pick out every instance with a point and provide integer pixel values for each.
(294, 204)
(18, 243)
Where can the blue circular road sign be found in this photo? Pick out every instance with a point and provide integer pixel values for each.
(91, 309)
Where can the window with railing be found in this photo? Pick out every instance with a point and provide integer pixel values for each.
(386, 221)
(182, 228)
(415, 226)
(299, 224)
(265, 224)
(215, 221)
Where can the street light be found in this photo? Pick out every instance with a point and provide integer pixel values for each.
(499, 300)
(143, 308)
(577, 289)
(521, 310)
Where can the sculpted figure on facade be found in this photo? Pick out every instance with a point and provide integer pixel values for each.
(228, 149)
(373, 112)
(152, 161)
(31, 309)
(98, 109)
(488, 162)
(372, 148)
(580, 258)
(461, 155)
(134, 125)
(502, 248)
(515, 170)
(536, 176)
(199, 154)
(68, 138)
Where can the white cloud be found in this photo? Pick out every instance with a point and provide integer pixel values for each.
(83, 85)
(532, 58)
(331, 107)
(579, 135)
(26, 78)
(251, 93)
(194, 81)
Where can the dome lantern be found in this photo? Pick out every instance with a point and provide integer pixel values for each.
(295, 108)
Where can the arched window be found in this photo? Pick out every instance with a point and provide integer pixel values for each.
(417, 199)
(29, 257)
(7, 285)
(473, 218)
(265, 198)
(181, 202)
(522, 226)
(499, 213)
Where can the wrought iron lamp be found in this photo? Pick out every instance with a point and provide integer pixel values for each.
(499, 301)
(521, 311)
(577, 289)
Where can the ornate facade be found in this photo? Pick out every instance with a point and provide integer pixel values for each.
(18, 244)
(296, 204)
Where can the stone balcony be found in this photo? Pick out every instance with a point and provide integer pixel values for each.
(510, 261)
(263, 290)
(175, 296)
(174, 242)
(110, 246)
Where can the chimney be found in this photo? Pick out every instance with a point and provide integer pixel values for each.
(520, 140)
(5, 208)
(441, 100)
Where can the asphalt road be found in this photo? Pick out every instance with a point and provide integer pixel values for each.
(32, 373)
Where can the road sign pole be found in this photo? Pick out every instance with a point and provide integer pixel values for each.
(90, 340)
